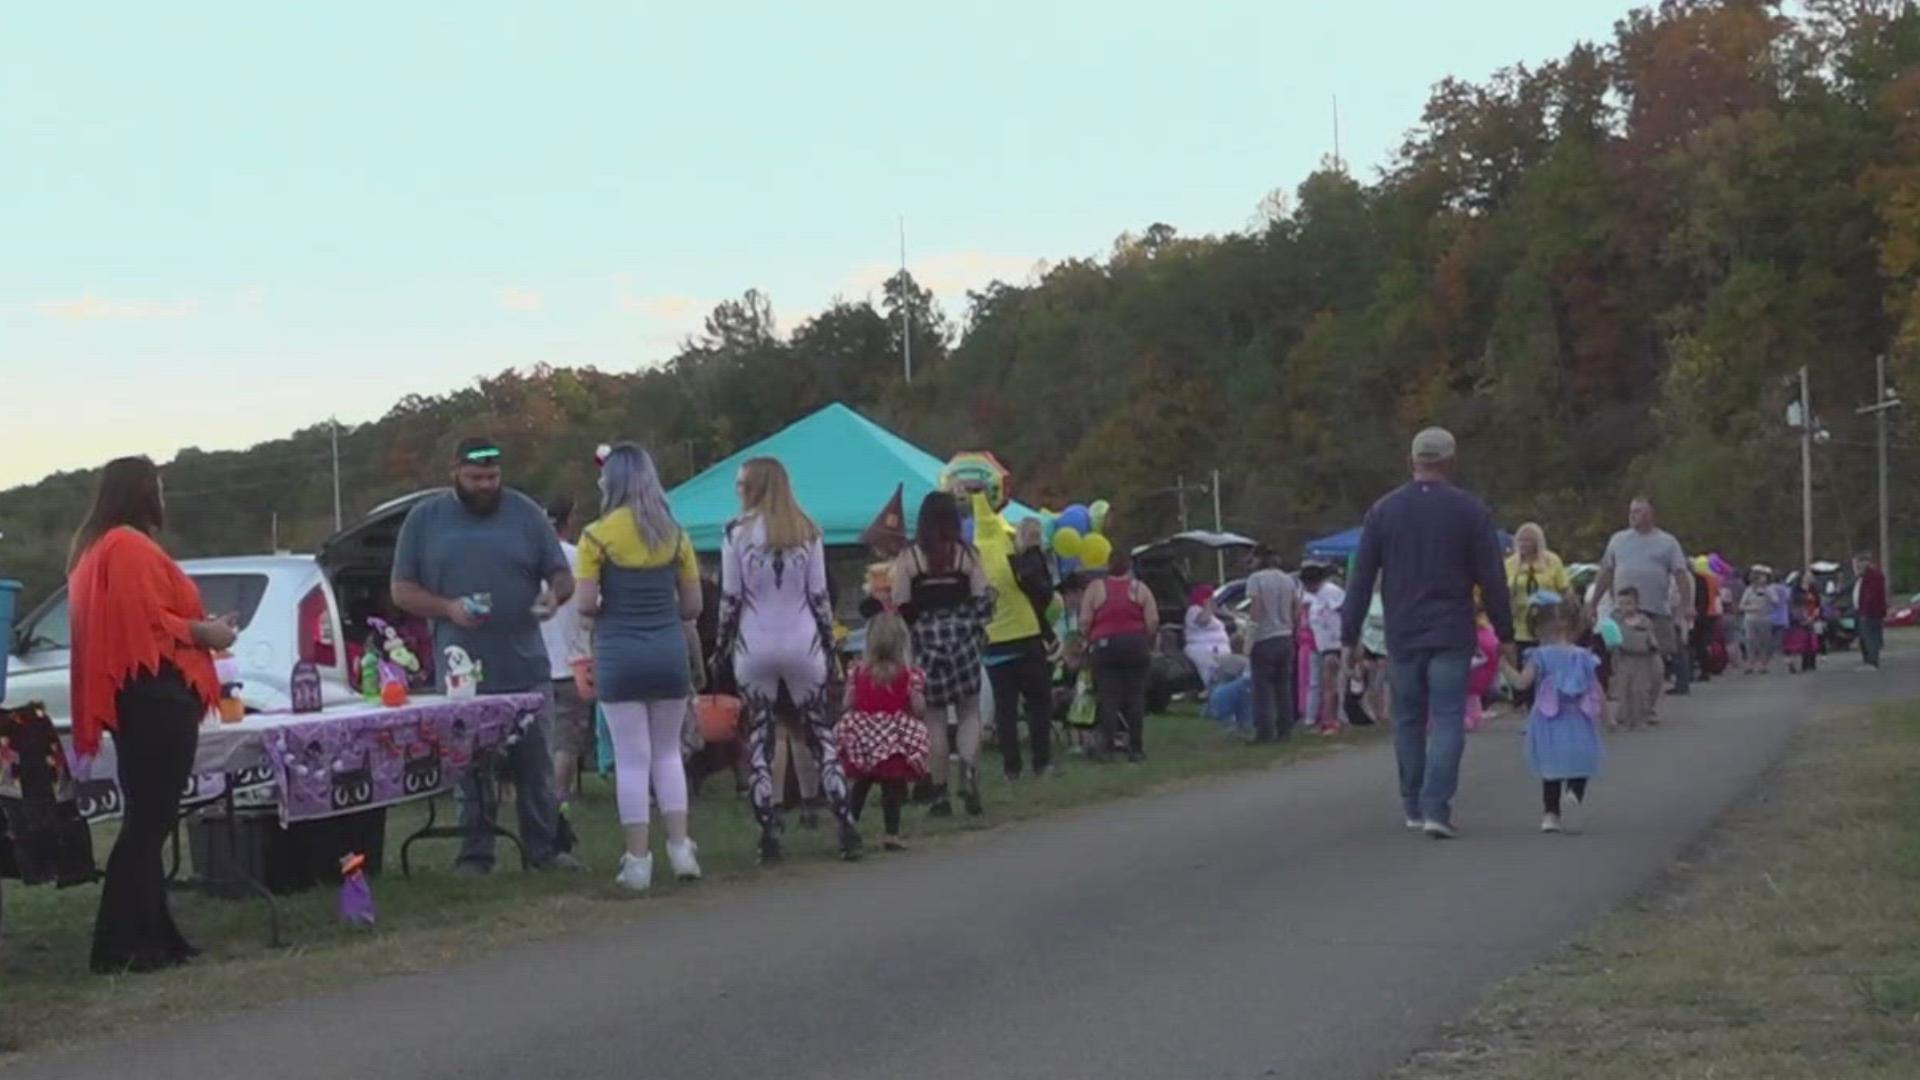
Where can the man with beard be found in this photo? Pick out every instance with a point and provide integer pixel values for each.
(484, 564)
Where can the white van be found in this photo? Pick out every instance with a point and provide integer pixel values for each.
(291, 608)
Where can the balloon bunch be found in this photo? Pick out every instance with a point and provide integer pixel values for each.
(1077, 536)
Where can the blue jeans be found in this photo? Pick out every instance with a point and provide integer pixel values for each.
(1429, 688)
(534, 799)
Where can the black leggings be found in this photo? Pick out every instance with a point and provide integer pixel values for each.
(159, 731)
(1121, 666)
(1550, 792)
(1029, 677)
(893, 795)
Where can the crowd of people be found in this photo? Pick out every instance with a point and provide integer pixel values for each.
(603, 625)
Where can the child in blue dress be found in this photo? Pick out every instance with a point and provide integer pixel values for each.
(1563, 731)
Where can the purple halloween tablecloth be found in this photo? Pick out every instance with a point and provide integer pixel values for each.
(339, 761)
(349, 758)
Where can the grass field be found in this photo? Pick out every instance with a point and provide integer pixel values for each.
(437, 918)
(1786, 946)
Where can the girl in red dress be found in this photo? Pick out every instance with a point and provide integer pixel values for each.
(883, 738)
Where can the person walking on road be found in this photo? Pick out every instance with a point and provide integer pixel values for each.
(1756, 620)
(1531, 568)
(1563, 730)
(483, 563)
(1427, 545)
(777, 630)
(1870, 607)
(1271, 662)
(1648, 558)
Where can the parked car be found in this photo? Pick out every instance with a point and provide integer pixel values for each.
(287, 613)
(1165, 567)
(1907, 614)
(291, 608)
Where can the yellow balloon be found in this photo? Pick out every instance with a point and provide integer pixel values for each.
(1096, 550)
(1066, 542)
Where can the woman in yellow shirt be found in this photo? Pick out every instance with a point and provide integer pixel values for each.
(1531, 568)
(640, 583)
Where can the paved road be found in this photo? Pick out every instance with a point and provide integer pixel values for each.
(1274, 925)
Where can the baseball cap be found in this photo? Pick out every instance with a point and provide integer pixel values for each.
(1433, 445)
(477, 450)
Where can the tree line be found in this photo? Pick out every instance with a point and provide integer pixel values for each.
(1602, 273)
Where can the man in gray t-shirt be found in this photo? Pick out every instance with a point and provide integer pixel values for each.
(1275, 600)
(1650, 560)
(484, 542)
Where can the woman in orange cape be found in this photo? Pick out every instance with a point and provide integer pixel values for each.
(143, 669)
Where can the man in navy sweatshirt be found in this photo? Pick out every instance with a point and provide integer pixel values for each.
(1429, 544)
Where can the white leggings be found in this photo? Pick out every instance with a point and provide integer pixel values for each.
(646, 752)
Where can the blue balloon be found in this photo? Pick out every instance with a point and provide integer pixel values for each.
(1078, 518)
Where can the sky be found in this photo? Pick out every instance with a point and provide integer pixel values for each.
(221, 222)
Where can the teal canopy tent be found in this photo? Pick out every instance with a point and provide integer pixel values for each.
(844, 468)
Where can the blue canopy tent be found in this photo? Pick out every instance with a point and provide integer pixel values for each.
(1342, 546)
(844, 468)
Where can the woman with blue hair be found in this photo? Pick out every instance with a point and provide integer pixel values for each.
(640, 582)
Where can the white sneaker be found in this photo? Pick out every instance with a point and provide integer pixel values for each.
(1440, 830)
(1550, 823)
(1415, 824)
(685, 866)
(636, 875)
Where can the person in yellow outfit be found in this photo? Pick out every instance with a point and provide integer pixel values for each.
(1019, 639)
(1530, 569)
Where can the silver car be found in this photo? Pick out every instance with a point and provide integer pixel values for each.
(287, 609)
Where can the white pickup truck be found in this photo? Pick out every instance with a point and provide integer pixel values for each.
(291, 608)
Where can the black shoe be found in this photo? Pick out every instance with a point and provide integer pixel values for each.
(851, 846)
(971, 799)
(770, 852)
(1138, 757)
(941, 808)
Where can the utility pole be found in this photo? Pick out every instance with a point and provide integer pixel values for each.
(906, 307)
(1219, 556)
(1337, 163)
(1883, 403)
(1180, 488)
(276, 533)
(1806, 473)
(339, 522)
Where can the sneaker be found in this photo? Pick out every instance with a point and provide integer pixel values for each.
(770, 852)
(636, 875)
(1415, 824)
(851, 846)
(892, 843)
(1440, 830)
(566, 862)
(941, 808)
(685, 866)
(1550, 823)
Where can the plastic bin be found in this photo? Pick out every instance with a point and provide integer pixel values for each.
(9, 594)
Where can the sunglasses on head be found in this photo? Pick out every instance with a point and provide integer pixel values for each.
(481, 455)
